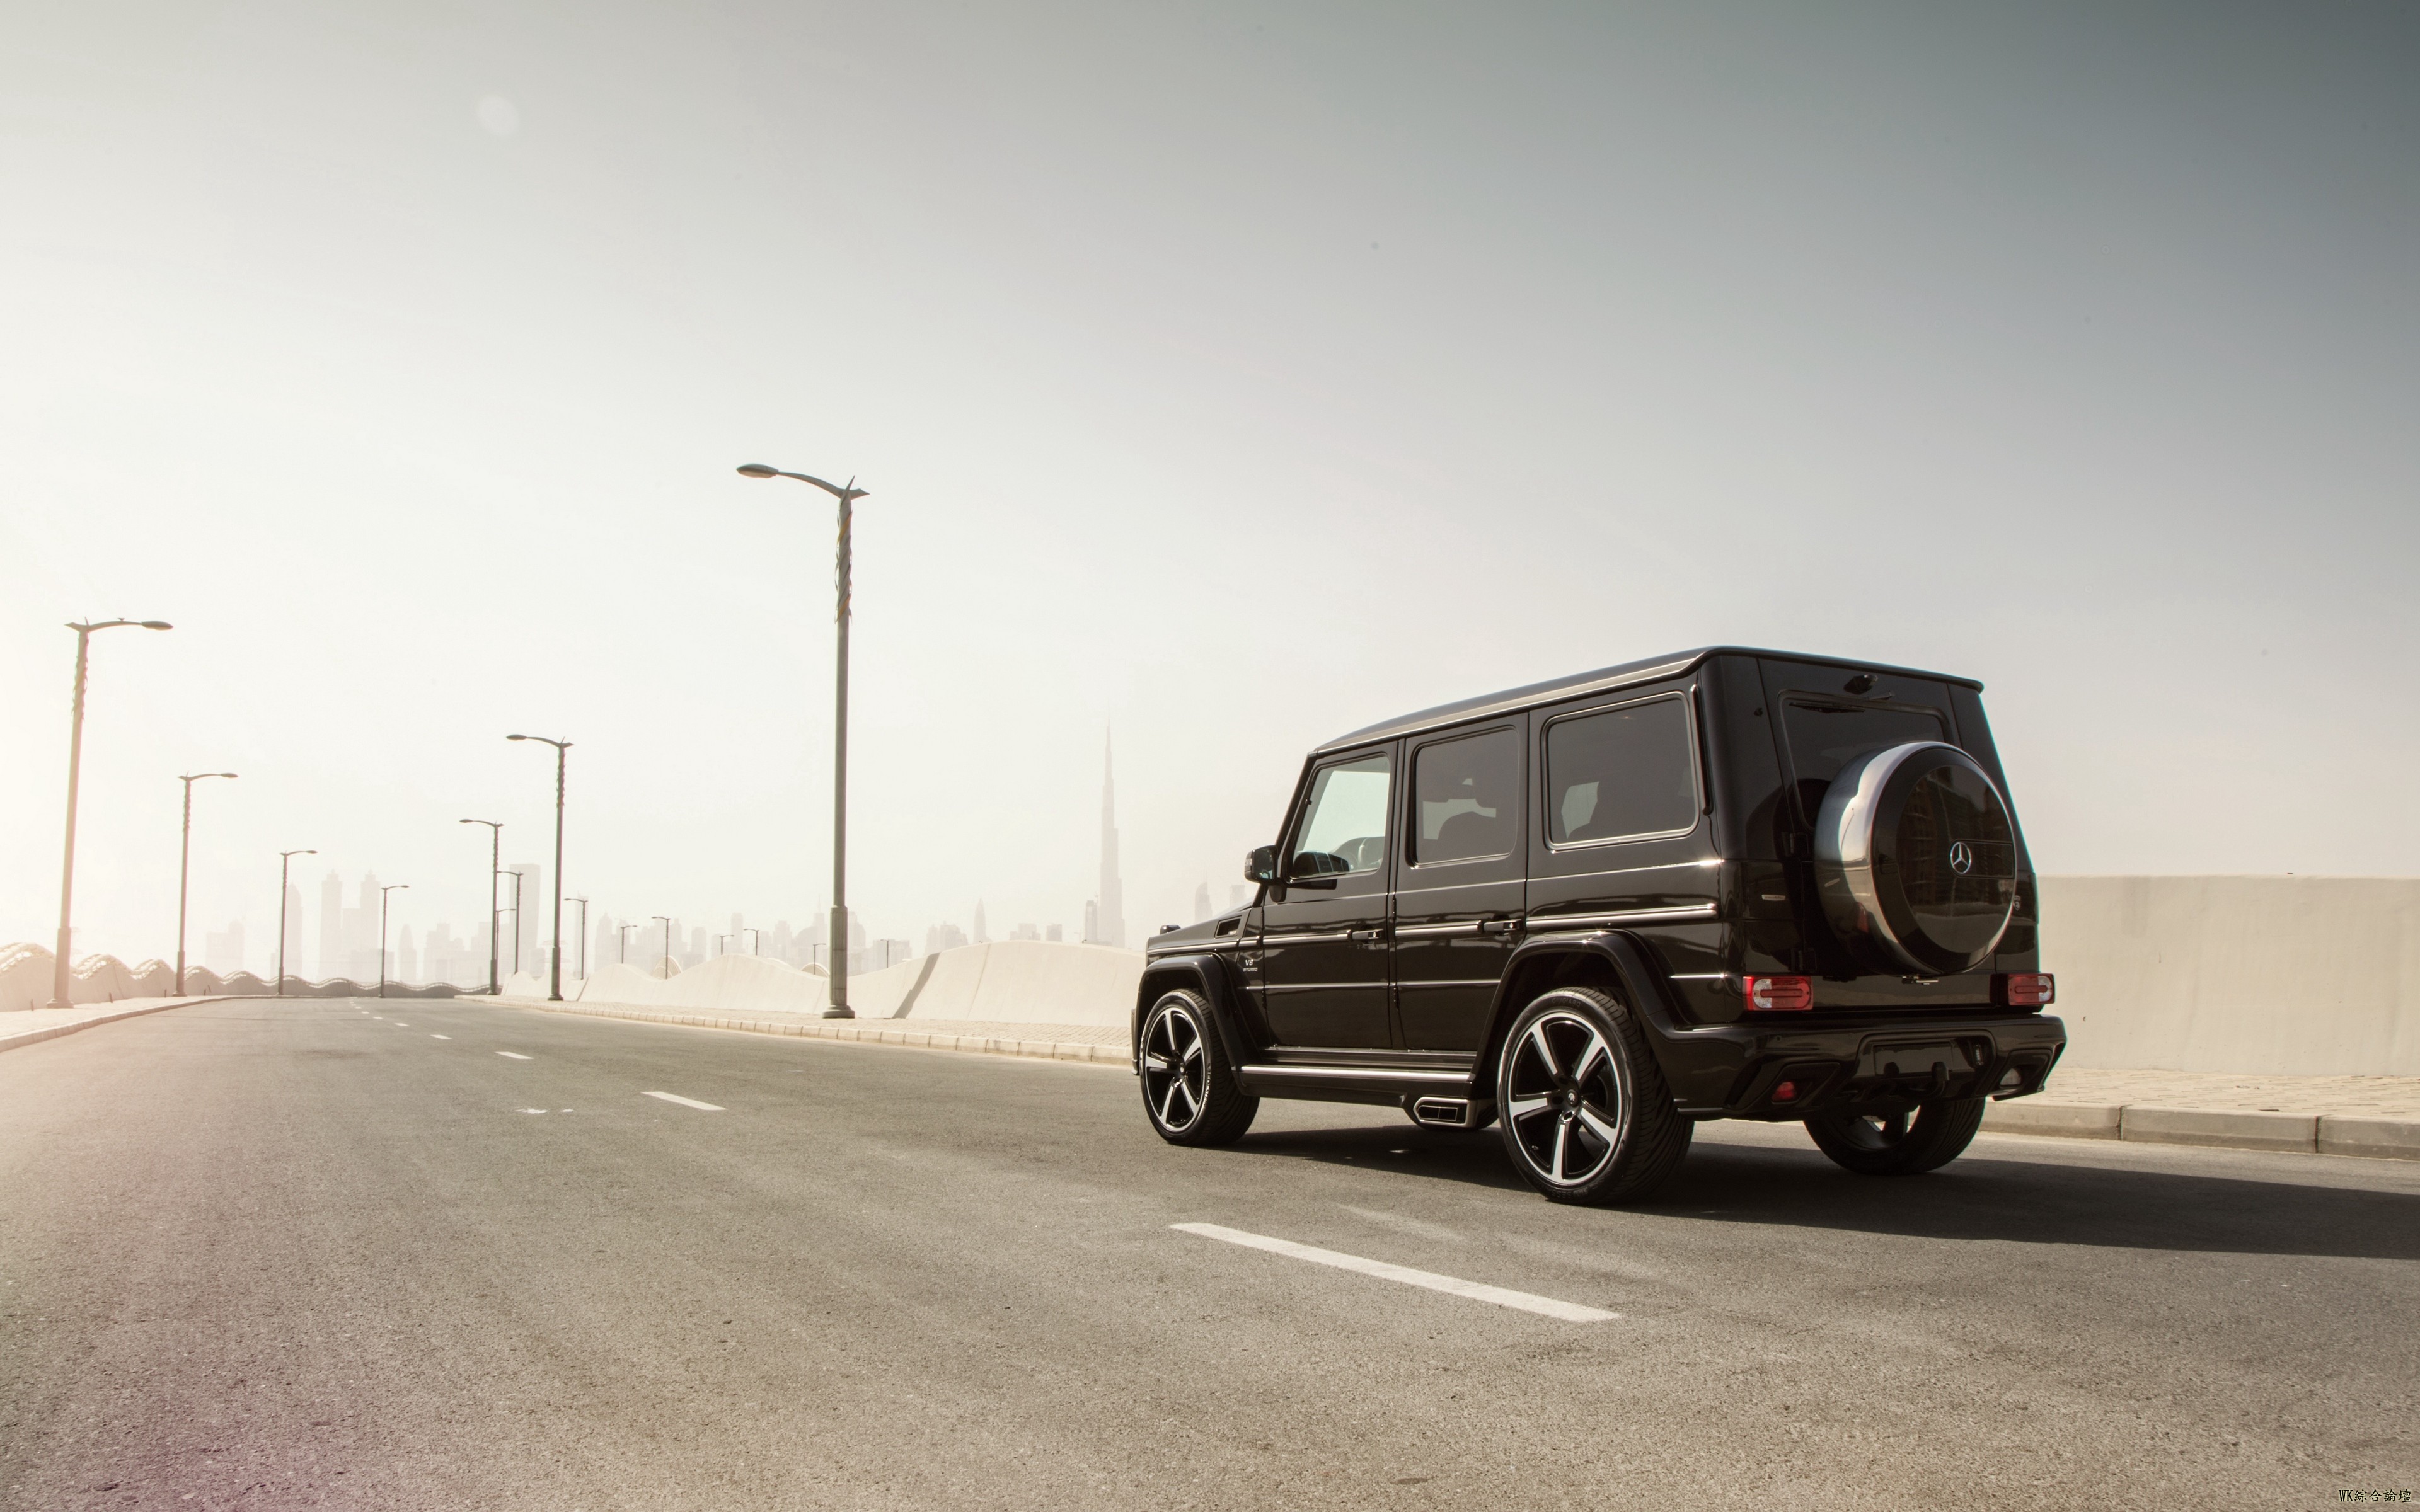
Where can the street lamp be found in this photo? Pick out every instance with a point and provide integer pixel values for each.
(554, 961)
(583, 937)
(495, 857)
(393, 886)
(755, 947)
(185, 869)
(838, 1008)
(285, 859)
(668, 943)
(516, 912)
(626, 942)
(717, 943)
(62, 984)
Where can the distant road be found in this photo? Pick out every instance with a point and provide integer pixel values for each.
(451, 1255)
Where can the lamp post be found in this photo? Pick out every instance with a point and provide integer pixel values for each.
(62, 982)
(392, 886)
(668, 943)
(717, 943)
(495, 857)
(583, 934)
(626, 942)
(755, 947)
(847, 495)
(185, 869)
(284, 860)
(516, 912)
(554, 957)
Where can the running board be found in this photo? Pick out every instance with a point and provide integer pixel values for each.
(1350, 1083)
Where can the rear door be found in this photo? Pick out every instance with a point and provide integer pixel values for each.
(1323, 949)
(1459, 887)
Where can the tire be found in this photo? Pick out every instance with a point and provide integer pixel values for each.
(1188, 1090)
(1587, 1115)
(1916, 860)
(1924, 1138)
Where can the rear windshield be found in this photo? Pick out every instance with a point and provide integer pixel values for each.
(1825, 736)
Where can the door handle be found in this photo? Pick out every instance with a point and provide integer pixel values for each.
(1377, 933)
(1498, 926)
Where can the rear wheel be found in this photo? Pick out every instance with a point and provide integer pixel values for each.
(1587, 1115)
(1922, 1139)
(1188, 1090)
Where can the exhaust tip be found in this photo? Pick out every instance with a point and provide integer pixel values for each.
(1442, 1112)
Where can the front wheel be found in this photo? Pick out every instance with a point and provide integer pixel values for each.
(1922, 1139)
(1587, 1115)
(1189, 1088)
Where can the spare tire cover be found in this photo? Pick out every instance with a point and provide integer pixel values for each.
(1915, 859)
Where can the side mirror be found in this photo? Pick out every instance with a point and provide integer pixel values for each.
(1262, 864)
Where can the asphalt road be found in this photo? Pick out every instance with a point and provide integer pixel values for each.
(268, 1255)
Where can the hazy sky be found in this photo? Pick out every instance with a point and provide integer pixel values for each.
(1234, 375)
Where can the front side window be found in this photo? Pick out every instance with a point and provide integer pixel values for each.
(1343, 827)
(1469, 794)
(1620, 773)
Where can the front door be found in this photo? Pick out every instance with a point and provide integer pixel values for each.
(1461, 888)
(1323, 960)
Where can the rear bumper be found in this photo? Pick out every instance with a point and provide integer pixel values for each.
(1734, 1071)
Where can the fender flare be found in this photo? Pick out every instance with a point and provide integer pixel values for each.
(1204, 974)
(1644, 991)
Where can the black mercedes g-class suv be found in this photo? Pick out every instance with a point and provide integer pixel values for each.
(1727, 884)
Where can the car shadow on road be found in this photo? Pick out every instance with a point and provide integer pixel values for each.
(2032, 1201)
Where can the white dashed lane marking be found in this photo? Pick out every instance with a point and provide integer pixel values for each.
(510, 1056)
(441, 1037)
(688, 1101)
(1570, 1312)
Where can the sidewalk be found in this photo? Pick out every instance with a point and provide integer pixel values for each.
(2370, 1116)
(2373, 1116)
(24, 1028)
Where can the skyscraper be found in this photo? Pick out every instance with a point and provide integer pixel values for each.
(331, 928)
(1111, 918)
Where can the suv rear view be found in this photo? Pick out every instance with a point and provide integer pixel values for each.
(1724, 884)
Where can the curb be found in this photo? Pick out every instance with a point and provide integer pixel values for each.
(2302, 1134)
(17, 1042)
(860, 1033)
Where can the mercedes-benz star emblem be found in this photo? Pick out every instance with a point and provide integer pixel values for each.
(1961, 858)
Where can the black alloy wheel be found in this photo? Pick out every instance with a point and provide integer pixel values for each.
(1188, 1090)
(1924, 1137)
(1587, 1115)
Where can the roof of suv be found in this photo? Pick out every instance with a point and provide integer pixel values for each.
(1602, 679)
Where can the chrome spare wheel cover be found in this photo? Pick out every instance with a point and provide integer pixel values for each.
(1915, 859)
(1564, 1097)
(1175, 1069)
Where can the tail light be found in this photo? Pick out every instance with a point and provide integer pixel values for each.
(1780, 995)
(1785, 1092)
(2025, 989)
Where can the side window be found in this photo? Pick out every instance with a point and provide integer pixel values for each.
(1343, 826)
(1469, 792)
(1620, 773)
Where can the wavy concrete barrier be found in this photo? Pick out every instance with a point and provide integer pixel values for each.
(1006, 981)
(25, 981)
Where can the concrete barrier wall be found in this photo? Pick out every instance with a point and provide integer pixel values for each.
(1006, 981)
(2288, 976)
